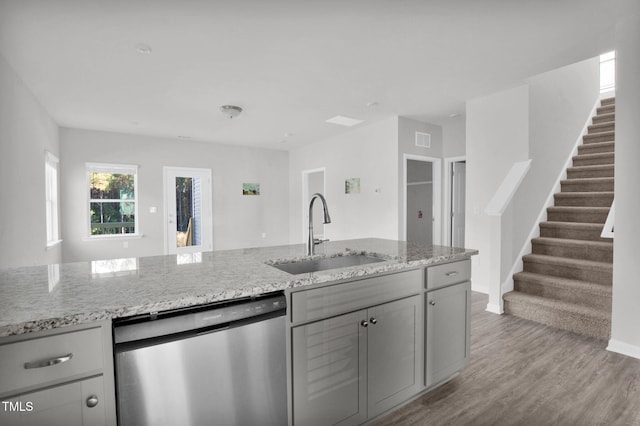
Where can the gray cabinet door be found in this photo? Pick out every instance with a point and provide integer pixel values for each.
(394, 348)
(329, 371)
(64, 405)
(448, 321)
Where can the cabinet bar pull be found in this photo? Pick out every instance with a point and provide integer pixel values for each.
(451, 274)
(48, 362)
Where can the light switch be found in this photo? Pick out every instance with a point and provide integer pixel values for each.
(153, 210)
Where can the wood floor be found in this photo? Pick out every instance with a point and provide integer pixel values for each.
(525, 373)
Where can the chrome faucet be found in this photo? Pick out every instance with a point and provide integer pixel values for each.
(312, 242)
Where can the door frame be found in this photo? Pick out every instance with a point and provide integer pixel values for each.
(437, 195)
(448, 164)
(207, 225)
(305, 196)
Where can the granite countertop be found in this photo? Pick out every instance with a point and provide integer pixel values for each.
(50, 296)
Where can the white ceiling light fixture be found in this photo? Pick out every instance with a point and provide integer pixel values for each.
(231, 111)
(344, 121)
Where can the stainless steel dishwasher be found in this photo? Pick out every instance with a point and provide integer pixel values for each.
(221, 364)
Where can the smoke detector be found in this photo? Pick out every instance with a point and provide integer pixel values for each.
(230, 111)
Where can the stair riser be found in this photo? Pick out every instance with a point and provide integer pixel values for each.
(572, 234)
(589, 186)
(559, 319)
(604, 159)
(598, 137)
(596, 148)
(583, 201)
(604, 118)
(601, 127)
(580, 174)
(598, 254)
(583, 217)
(563, 271)
(584, 298)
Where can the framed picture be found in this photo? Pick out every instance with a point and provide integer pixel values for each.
(352, 186)
(250, 189)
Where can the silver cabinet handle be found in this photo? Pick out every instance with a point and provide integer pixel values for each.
(364, 323)
(432, 302)
(451, 274)
(48, 362)
(373, 320)
(92, 401)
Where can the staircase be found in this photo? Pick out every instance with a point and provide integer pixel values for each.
(566, 280)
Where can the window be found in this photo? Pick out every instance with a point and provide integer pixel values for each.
(51, 198)
(608, 71)
(113, 209)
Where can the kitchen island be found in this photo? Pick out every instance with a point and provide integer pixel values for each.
(60, 317)
(51, 296)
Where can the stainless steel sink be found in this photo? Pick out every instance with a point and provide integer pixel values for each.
(324, 264)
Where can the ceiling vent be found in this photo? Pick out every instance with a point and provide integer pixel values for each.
(423, 140)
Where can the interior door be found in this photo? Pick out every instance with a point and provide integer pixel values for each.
(188, 215)
(420, 205)
(458, 194)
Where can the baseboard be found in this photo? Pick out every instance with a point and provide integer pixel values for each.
(624, 348)
(494, 308)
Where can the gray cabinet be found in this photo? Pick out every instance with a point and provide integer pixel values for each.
(393, 353)
(448, 322)
(58, 377)
(357, 363)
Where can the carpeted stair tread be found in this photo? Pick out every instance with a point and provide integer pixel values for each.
(604, 117)
(584, 199)
(577, 214)
(596, 148)
(579, 172)
(598, 184)
(599, 137)
(572, 230)
(593, 159)
(607, 109)
(601, 127)
(600, 251)
(567, 316)
(569, 290)
(590, 265)
(608, 101)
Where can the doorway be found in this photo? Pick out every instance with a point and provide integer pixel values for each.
(313, 181)
(422, 199)
(187, 210)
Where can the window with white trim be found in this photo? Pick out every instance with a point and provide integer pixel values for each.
(112, 203)
(608, 71)
(51, 163)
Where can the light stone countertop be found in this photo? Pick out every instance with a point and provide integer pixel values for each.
(50, 296)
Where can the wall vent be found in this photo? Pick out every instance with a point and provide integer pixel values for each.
(423, 140)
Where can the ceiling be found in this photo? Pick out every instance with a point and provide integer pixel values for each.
(291, 64)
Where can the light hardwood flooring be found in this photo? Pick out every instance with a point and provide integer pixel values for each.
(525, 373)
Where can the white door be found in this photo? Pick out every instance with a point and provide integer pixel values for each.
(188, 212)
(458, 194)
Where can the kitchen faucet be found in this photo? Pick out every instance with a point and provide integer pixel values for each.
(312, 242)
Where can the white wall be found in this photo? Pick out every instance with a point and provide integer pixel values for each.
(238, 221)
(407, 129)
(625, 334)
(454, 137)
(560, 103)
(368, 153)
(497, 136)
(26, 131)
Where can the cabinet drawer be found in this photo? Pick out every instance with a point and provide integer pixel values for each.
(308, 305)
(76, 353)
(449, 273)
